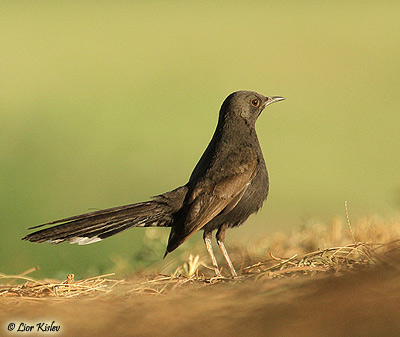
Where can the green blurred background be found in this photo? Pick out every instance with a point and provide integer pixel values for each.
(109, 103)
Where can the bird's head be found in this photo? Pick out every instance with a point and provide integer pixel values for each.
(246, 105)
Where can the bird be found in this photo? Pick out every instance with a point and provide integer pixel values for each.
(228, 184)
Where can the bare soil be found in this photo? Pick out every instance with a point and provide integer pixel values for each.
(356, 304)
(352, 290)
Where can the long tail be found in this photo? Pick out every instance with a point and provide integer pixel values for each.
(95, 226)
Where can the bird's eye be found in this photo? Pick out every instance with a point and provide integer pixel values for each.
(255, 102)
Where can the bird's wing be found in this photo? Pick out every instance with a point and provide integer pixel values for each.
(223, 190)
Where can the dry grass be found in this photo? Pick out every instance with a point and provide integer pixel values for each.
(335, 260)
(350, 286)
(52, 288)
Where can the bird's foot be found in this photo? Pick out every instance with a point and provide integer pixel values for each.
(217, 273)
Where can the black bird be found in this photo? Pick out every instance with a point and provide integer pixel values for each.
(228, 184)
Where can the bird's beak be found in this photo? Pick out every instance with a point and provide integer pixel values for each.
(274, 99)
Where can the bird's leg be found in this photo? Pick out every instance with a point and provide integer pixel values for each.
(220, 240)
(207, 241)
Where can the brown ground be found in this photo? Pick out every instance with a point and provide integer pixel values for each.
(344, 300)
(362, 304)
